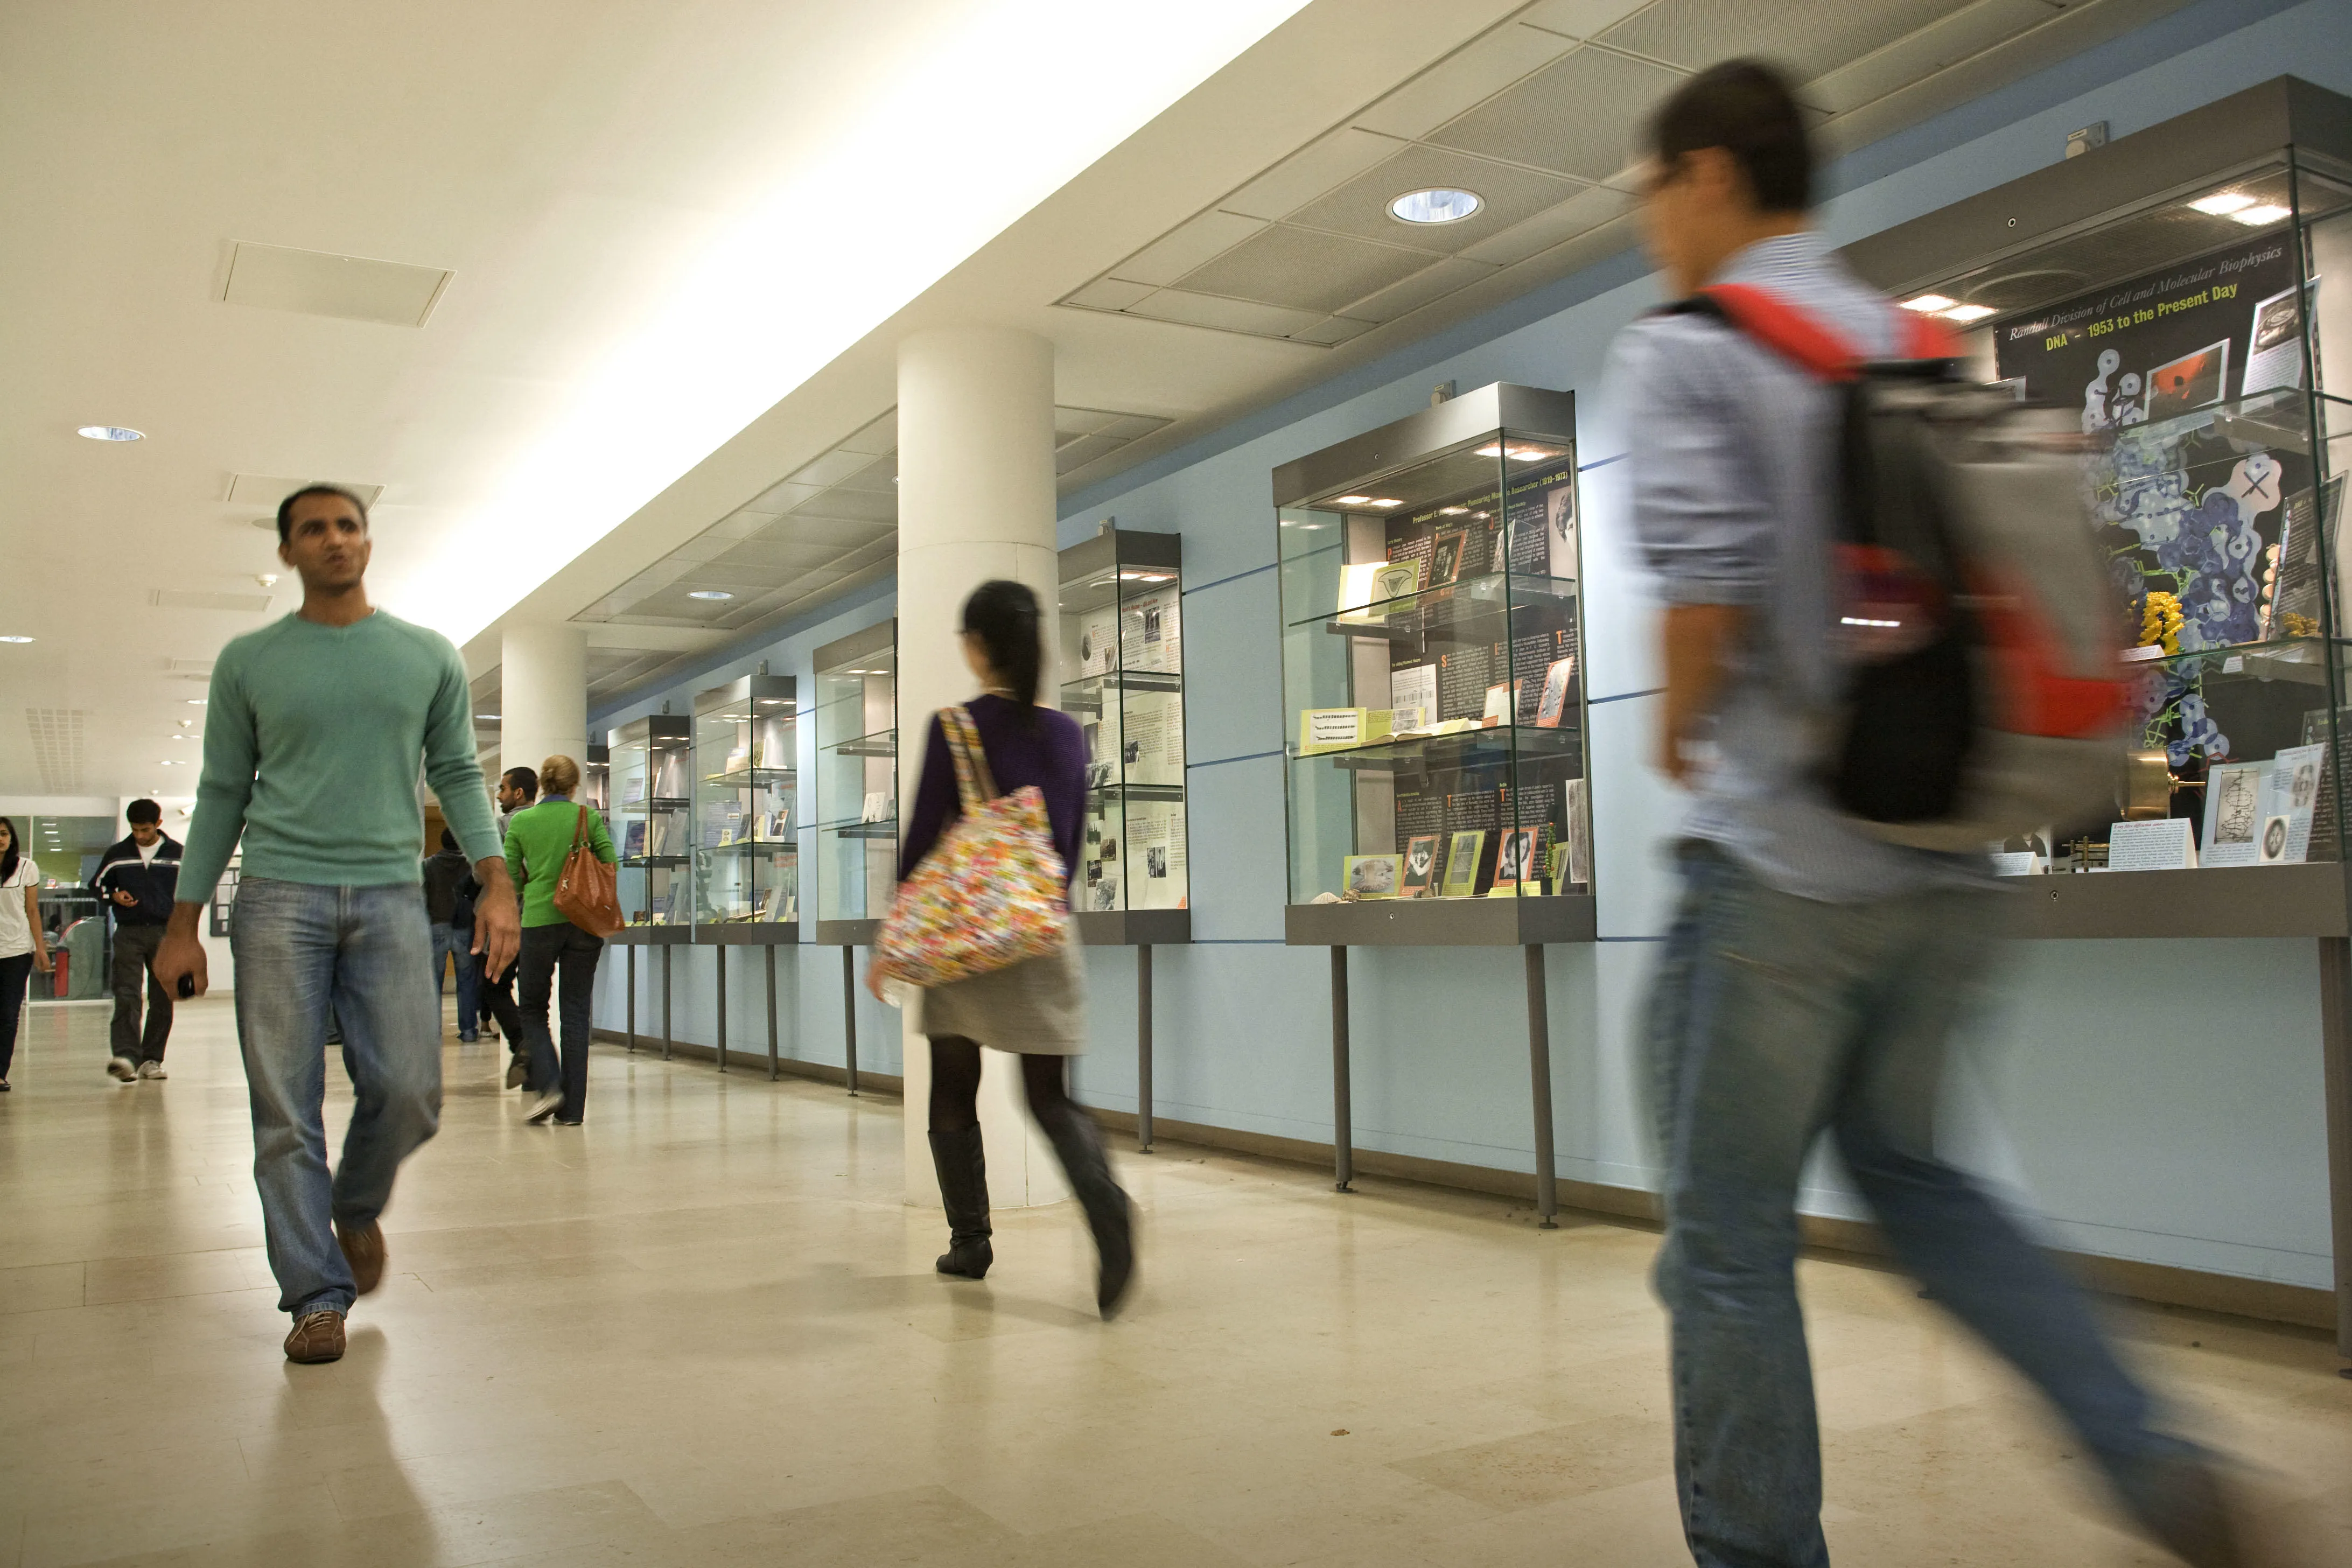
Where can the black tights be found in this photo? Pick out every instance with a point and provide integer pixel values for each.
(955, 1082)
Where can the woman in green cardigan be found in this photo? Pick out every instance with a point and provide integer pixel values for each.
(539, 840)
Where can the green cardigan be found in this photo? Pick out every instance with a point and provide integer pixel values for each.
(538, 838)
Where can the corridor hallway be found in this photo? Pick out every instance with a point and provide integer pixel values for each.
(702, 1328)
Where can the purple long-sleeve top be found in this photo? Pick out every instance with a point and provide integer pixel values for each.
(1044, 749)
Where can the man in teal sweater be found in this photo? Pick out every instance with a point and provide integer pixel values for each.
(313, 737)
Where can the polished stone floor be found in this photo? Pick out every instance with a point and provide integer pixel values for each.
(703, 1330)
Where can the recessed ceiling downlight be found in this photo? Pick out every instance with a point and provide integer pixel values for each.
(1440, 204)
(15, 639)
(111, 433)
(711, 594)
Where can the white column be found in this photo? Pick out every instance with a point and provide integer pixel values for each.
(544, 693)
(976, 500)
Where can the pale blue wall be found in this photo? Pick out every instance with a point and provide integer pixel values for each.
(2157, 1101)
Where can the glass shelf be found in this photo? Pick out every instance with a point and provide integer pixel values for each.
(856, 718)
(746, 808)
(1433, 663)
(1121, 620)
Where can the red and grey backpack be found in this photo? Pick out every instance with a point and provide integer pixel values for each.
(1984, 694)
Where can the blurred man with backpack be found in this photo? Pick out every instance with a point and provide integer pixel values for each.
(1815, 967)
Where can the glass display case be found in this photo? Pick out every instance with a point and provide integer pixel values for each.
(1432, 686)
(856, 800)
(596, 777)
(1122, 629)
(2181, 289)
(746, 816)
(653, 803)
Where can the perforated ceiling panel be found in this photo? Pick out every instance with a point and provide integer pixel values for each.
(58, 749)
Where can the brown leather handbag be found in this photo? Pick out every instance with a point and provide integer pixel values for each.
(584, 893)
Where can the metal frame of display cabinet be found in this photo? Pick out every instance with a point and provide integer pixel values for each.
(2305, 130)
(835, 659)
(596, 777)
(767, 935)
(1113, 549)
(1527, 923)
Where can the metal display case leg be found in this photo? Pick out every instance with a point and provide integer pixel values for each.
(1540, 1083)
(665, 952)
(1343, 1133)
(2335, 1055)
(849, 1010)
(629, 964)
(1143, 1050)
(718, 959)
(771, 950)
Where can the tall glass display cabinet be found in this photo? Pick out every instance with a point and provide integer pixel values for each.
(651, 759)
(2188, 288)
(1121, 632)
(746, 829)
(857, 716)
(1433, 695)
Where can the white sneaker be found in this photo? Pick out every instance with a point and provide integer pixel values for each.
(122, 1067)
(153, 1070)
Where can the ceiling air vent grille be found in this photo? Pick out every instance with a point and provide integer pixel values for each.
(58, 747)
(180, 599)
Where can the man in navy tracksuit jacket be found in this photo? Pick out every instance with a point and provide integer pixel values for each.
(138, 879)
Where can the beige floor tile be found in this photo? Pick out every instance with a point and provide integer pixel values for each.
(703, 1330)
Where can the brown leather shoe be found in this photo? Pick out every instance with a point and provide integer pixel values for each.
(362, 1247)
(316, 1336)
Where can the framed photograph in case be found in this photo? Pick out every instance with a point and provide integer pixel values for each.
(1419, 876)
(1462, 858)
(1371, 876)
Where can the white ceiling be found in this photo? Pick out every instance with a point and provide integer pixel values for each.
(681, 241)
(191, 185)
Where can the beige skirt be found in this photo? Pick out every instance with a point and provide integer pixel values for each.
(1037, 1006)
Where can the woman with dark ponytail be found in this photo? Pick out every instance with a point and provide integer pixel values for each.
(1036, 1008)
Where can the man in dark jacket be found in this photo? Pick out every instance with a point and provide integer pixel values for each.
(138, 879)
(449, 889)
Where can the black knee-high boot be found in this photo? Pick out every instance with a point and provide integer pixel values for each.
(1078, 1144)
(962, 1166)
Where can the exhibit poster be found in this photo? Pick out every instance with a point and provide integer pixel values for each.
(1152, 634)
(1419, 878)
(1463, 855)
(1098, 642)
(2195, 466)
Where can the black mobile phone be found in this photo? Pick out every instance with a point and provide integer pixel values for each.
(187, 986)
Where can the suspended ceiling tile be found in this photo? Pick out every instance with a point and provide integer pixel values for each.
(1076, 455)
(1108, 294)
(876, 439)
(864, 505)
(1807, 36)
(739, 526)
(1309, 172)
(1588, 208)
(1360, 207)
(831, 469)
(1579, 115)
(1432, 282)
(1580, 18)
(1333, 330)
(783, 498)
(318, 283)
(1485, 66)
(1184, 247)
(779, 555)
(842, 533)
(268, 489)
(1300, 269)
(1128, 426)
(1955, 37)
(1070, 423)
(1227, 315)
(1594, 245)
(880, 476)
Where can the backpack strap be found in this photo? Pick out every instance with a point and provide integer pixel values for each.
(1804, 339)
(974, 782)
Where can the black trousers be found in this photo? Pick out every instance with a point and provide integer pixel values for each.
(134, 970)
(544, 950)
(497, 998)
(15, 974)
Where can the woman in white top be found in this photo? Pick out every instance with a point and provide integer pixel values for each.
(24, 945)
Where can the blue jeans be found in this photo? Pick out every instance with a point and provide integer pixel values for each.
(457, 942)
(1772, 1018)
(300, 950)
